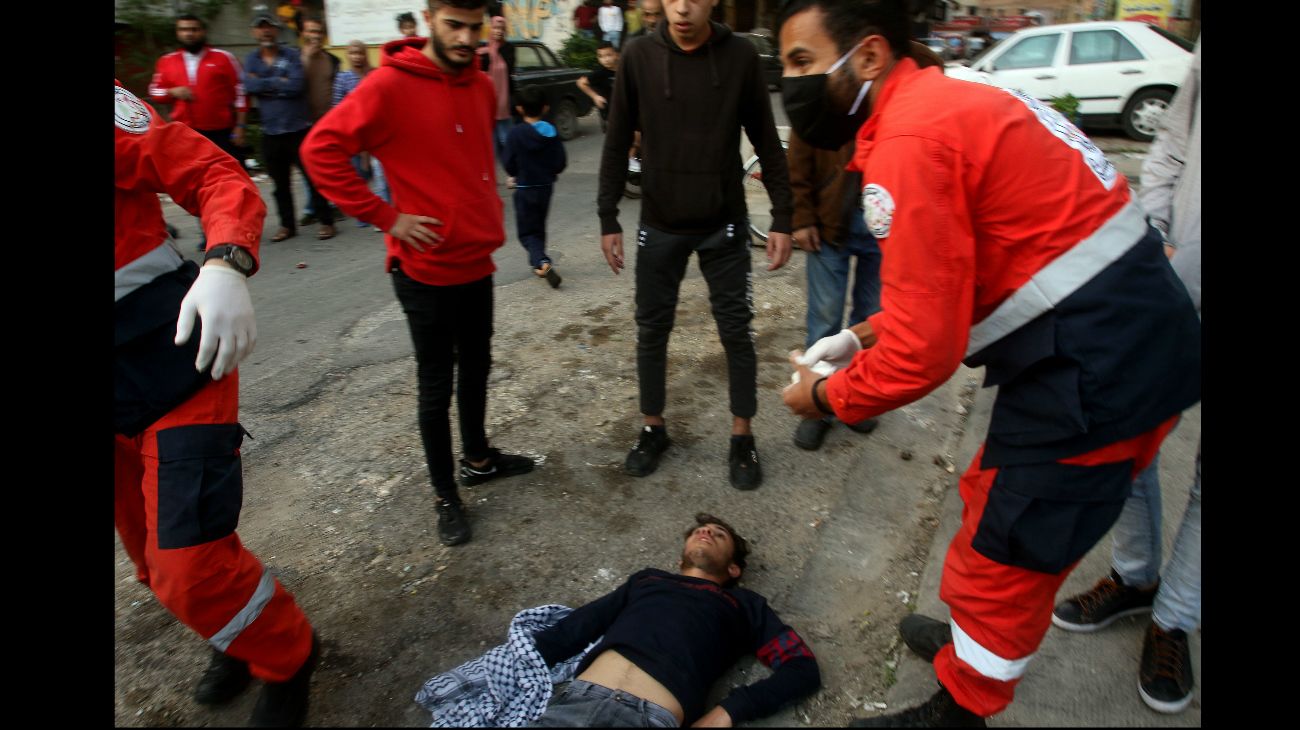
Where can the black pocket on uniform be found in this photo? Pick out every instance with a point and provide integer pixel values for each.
(200, 483)
(1045, 517)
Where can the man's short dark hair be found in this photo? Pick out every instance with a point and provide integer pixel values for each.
(606, 44)
(849, 21)
(405, 18)
(193, 17)
(532, 100)
(742, 546)
(460, 4)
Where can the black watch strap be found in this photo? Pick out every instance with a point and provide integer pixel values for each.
(239, 258)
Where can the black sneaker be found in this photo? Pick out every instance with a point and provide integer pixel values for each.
(866, 426)
(284, 704)
(941, 710)
(1107, 601)
(499, 466)
(553, 278)
(1165, 676)
(746, 472)
(924, 635)
(308, 219)
(643, 459)
(811, 433)
(453, 525)
(222, 681)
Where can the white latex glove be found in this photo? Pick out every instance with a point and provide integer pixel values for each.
(220, 298)
(821, 367)
(838, 350)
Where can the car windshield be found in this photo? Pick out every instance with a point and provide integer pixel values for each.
(1179, 41)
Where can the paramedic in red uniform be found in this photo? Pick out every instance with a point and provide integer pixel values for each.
(1009, 242)
(179, 333)
(205, 88)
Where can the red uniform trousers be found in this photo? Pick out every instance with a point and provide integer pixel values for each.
(193, 561)
(1001, 612)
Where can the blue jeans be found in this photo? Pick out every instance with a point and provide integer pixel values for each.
(828, 281)
(612, 36)
(500, 131)
(1137, 540)
(583, 704)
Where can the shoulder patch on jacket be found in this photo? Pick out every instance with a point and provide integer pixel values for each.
(878, 207)
(129, 113)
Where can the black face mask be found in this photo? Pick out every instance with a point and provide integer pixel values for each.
(811, 112)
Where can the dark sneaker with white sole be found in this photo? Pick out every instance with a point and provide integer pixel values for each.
(746, 472)
(453, 524)
(643, 459)
(1103, 604)
(924, 636)
(1165, 675)
(941, 710)
(499, 466)
(223, 680)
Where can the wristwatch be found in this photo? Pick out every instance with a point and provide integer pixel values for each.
(237, 256)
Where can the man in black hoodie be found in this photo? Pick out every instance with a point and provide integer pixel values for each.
(690, 86)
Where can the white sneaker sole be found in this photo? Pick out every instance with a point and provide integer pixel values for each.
(1061, 623)
(1168, 708)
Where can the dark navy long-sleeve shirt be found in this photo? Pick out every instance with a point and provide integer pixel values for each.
(279, 90)
(686, 632)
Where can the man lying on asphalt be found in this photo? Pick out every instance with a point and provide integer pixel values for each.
(665, 638)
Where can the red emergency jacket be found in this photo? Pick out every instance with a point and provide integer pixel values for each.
(218, 89)
(432, 131)
(152, 157)
(971, 191)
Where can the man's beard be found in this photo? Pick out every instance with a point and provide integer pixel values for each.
(195, 46)
(442, 52)
(702, 561)
(841, 88)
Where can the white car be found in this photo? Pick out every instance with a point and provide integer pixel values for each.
(1122, 73)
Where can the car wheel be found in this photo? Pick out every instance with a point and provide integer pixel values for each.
(1143, 113)
(566, 120)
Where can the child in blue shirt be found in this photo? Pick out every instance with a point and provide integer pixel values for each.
(534, 157)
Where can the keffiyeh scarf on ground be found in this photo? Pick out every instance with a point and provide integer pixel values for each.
(509, 686)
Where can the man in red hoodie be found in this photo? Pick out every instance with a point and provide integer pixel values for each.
(205, 88)
(427, 115)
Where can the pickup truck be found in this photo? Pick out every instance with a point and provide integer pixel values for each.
(536, 65)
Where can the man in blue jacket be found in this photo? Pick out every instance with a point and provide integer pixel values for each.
(273, 75)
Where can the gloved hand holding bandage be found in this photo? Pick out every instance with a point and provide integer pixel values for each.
(837, 349)
(220, 298)
(821, 367)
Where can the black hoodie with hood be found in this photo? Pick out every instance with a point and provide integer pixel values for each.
(690, 108)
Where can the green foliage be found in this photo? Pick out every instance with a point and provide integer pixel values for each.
(1067, 105)
(149, 32)
(579, 51)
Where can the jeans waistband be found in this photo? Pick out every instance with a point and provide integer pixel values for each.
(581, 687)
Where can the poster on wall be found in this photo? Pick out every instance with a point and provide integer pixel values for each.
(1155, 12)
(370, 21)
